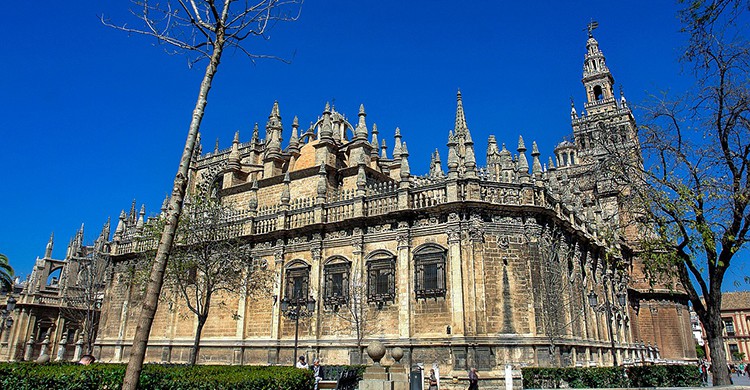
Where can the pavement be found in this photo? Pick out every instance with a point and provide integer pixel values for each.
(740, 382)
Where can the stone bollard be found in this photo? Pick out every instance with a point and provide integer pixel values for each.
(29, 349)
(375, 376)
(79, 349)
(398, 373)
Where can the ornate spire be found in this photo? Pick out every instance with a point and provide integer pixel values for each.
(216, 146)
(132, 214)
(326, 128)
(436, 166)
(294, 139)
(256, 136)
(374, 143)
(273, 132)
(274, 119)
(361, 176)
(361, 130)
(523, 164)
(50, 244)
(460, 126)
(536, 167)
(141, 214)
(383, 150)
(120, 229)
(573, 113)
(233, 162)
(405, 170)
(452, 155)
(397, 144)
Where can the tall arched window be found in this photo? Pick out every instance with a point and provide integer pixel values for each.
(429, 267)
(297, 280)
(336, 282)
(381, 278)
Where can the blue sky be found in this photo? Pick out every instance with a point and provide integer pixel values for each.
(93, 118)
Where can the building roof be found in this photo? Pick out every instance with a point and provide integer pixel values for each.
(735, 300)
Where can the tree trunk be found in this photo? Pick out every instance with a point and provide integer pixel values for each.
(719, 368)
(156, 280)
(197, 340)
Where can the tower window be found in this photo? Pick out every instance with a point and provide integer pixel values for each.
(598, 94)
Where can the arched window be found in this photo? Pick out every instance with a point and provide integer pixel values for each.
(598, 94)
(297, 281)
(336, 282)
(381, 278)
(429, 267)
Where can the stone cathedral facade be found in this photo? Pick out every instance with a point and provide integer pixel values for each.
(464, 266)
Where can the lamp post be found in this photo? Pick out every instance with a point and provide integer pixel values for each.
(607, 308)
(294, 309)
(7, 315)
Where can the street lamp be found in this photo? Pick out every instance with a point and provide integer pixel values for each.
(6, 315)
(294, 309)
(607, 308)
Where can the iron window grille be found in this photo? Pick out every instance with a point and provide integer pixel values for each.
(381, 281)
(336, 284)
(429, 267)
(297, 282)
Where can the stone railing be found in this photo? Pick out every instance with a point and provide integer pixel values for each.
(380, 199)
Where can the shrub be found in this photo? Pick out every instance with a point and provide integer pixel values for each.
(607, 377)
(66, 376)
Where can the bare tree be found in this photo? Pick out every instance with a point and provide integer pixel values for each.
(83, 295)
(358, 315)
(203, 29)
(207, 262)
(692, 192)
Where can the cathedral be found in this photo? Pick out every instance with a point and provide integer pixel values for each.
(465, 266)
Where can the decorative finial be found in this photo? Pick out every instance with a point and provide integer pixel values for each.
(591, 27)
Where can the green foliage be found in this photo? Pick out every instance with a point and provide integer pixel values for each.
(700, 352)
(32, 376)
(738, 356)
(608, 377)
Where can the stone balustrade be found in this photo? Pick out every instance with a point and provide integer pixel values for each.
(379, 199)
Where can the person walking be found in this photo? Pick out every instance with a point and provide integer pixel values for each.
(473, 379)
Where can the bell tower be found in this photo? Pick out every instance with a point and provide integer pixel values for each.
(606, 122)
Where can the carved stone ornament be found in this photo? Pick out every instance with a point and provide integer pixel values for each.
(317, 237)
(357, 243)
(454, 234)
(316, 253)
(278, 256)
(403, 225)
(503, 242)
(357, 232)
(403, 238)
(453, 217)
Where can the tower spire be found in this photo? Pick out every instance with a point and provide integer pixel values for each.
(460, 126)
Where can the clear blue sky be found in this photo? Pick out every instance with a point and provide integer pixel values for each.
(93, 118)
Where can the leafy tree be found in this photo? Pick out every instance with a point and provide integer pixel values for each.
(202, 29)
(6, 273)
(693, 187)
(359, 316)
(208, 261)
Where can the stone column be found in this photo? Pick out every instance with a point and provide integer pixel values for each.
(476, 235)
(456, 280)
(315, 280)
(278, 259)
(404, 272)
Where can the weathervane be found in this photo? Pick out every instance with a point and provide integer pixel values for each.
(591, 27)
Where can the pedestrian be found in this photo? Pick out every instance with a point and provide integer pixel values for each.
(473, 379)
(86, 360)
(704, 372)
(747, 370)
(433, 381)
(301, 362)
(317, 372)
